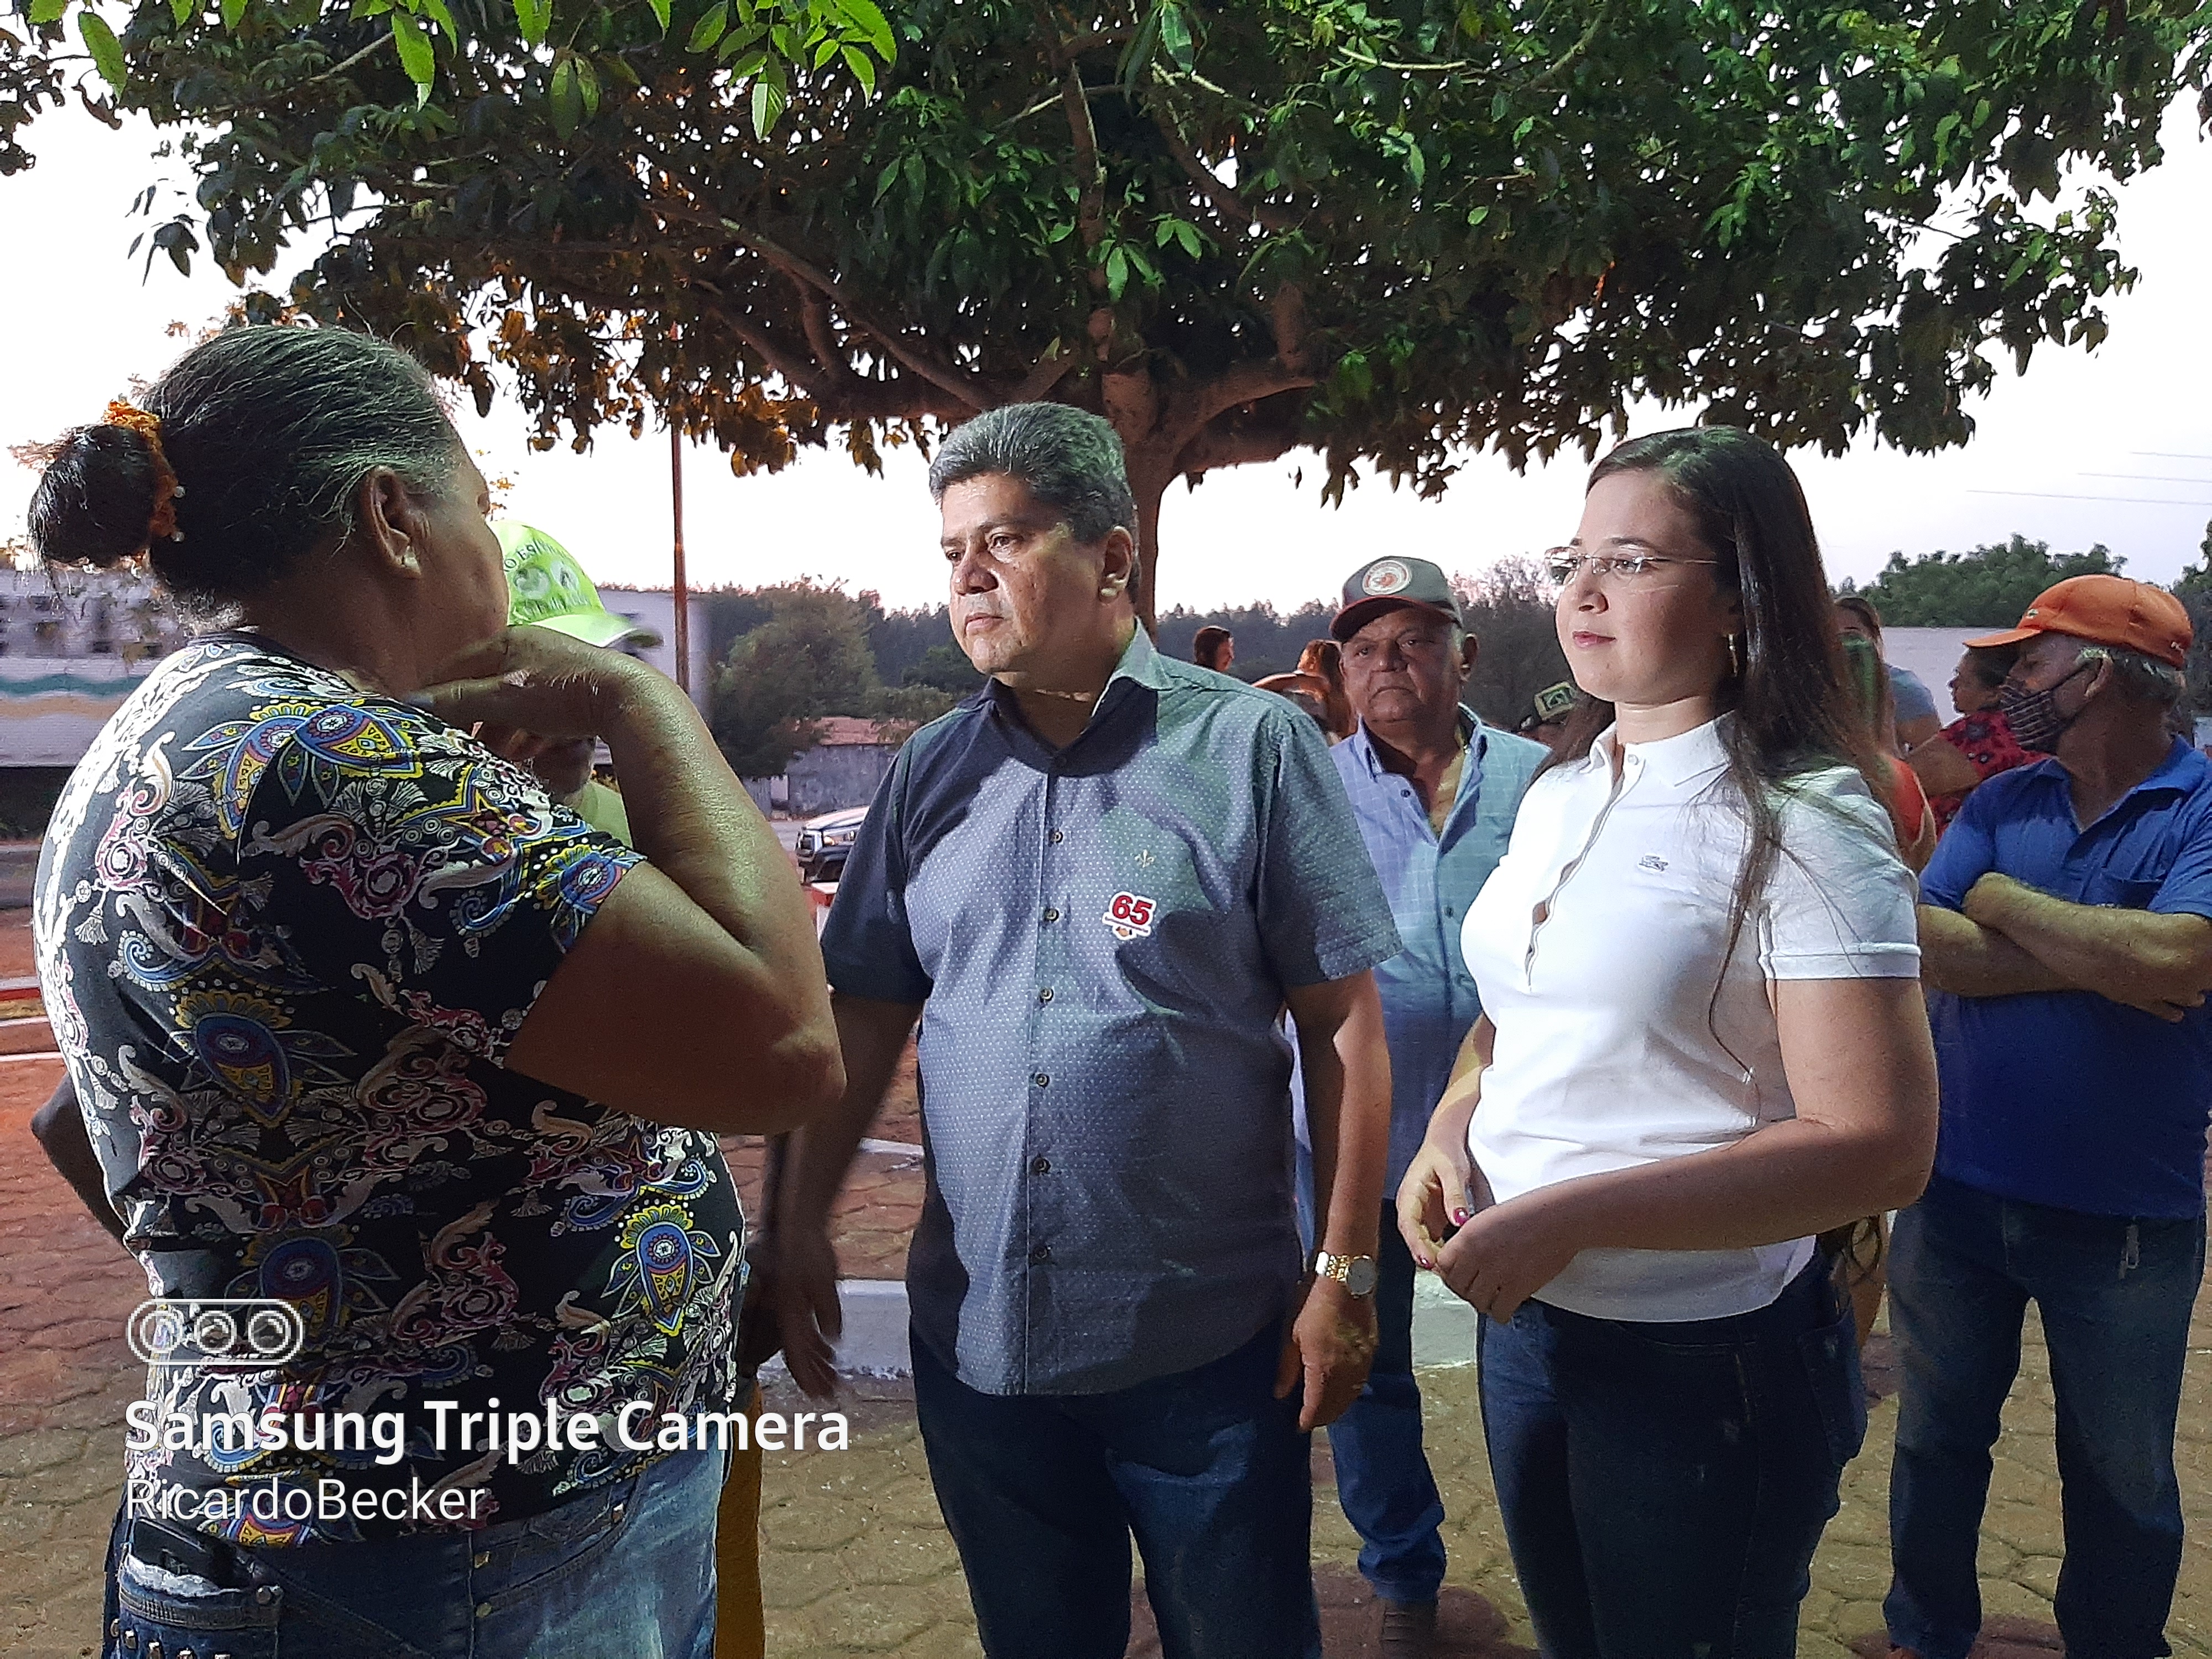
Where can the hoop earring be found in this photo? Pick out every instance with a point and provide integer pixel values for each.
(1735, 661)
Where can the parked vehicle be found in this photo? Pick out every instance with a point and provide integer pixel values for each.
(823, 843)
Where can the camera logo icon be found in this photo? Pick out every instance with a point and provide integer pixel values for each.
(242, 1333)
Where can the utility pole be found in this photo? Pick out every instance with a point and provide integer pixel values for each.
(682, 589)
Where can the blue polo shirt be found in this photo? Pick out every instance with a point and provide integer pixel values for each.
(1099, 936)
(2064, 1098)
(1428, 996)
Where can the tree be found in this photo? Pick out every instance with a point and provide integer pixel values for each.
(1510, 610)
(1390, 232)
(809, 659)
(1986, 587)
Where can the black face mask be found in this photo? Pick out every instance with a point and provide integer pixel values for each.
(2034, 716)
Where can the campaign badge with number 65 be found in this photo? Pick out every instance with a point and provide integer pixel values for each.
(1130, 916)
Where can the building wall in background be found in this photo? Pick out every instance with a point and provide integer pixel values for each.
(655, 608)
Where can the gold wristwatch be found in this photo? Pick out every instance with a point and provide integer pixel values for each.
(1355, 1272)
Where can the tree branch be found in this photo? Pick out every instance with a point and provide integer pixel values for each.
(1248, 383)
(1576, 51)
(821, 339)
(1225, 202)
(1051, 369)
(1090, 204)
(975, 394)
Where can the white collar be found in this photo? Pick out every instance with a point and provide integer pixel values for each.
(1676, 762)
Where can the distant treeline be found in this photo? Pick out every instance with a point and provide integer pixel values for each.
(795, 652)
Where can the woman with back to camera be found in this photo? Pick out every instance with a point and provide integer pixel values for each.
(1703, 1043)
(363, 1025)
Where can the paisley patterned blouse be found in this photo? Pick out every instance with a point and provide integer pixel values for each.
(287, 931)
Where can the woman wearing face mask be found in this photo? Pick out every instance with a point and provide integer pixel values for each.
(1979, 744)
(1705, 1044)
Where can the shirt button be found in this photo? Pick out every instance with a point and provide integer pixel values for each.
(1045, 995)
(1052, 915)
(1041, 1079)
(1042, 1166)
(482, 1559)
(483, 1609)
(1056, 835)
(1043, 1253)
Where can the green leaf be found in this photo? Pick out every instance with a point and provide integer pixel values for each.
(233, 14)
(435, 10)
(768, 101)
(106, 50)
(864, 69)
(414, 54)
(534, 18)
(708, 29)
(588, 84)
(661, 12)
(566, 98)
(1175, 34)
(179, 10)
(1117, 272)
(48, 11)
(866, 18)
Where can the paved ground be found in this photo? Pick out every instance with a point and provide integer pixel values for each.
(857, 1560)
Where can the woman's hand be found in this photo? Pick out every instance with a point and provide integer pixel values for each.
(1504, 1254)
(1433, 1198)
(536, 681)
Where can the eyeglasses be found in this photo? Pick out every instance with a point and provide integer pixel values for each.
(1565, 563)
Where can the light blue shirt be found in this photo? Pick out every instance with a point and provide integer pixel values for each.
(1429, 998)
(1099, 936)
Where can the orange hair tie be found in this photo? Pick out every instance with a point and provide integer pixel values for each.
(162, 526)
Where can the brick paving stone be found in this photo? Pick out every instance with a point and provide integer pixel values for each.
(856, 1557)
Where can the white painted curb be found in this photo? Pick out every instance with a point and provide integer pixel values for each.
(875, 1339)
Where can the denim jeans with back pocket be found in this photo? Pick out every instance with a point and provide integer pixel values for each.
(628, 1569)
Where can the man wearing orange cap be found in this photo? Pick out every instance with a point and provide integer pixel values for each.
(2067, 923)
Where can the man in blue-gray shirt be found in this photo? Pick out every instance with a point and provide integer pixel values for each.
(1096, 884)
(2067, 918)
(1435, 791)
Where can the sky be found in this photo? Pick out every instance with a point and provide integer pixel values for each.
(2112, 446)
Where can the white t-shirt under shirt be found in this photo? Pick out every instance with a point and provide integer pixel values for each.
(1613, 1051)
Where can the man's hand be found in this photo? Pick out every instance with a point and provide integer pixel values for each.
(1332, 1341)
(803, 1290)
(1986, 900)
(2005, 906)
(1507, 1253)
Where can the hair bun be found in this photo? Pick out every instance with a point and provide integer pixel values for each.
(97, 498)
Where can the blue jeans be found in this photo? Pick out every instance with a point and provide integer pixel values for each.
(1664, 1486)
(2115, 1295)
(1206, 1468)
(627, 1569)
(1383, 1477)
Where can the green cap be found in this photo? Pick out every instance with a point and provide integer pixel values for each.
(547, 588)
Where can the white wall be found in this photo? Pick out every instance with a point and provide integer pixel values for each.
(1932, 654)
(655, 608)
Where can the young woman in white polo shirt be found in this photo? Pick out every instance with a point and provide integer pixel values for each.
(1703, 1044)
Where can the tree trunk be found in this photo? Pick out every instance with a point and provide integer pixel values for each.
(1148, 489)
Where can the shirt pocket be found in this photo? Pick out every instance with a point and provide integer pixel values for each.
(2123, 892)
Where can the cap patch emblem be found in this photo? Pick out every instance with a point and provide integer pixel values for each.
(1129, 915)
(1387, 577)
